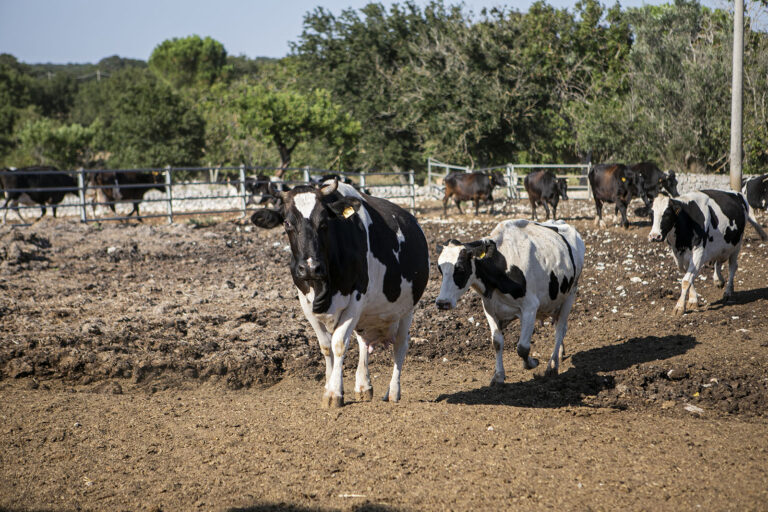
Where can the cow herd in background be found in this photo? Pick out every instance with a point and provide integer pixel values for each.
(360, 263)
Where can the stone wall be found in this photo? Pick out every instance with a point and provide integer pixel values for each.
(689, 182)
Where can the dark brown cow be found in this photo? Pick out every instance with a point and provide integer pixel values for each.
(615, 183)
(546, 189)
(113, 187)
(41, 185)
(473, 186)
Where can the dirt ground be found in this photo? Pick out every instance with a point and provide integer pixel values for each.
(169, 367)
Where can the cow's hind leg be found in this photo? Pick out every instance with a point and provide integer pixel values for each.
(546, 208)
(718, 275)
(561, 327)
(599, 210)
(497, 340)
(527, 324)
(363, 388)
(733, 264)
(533, 210)
(458, 206)
(399, 348)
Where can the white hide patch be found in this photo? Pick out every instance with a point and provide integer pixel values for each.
(305, 203)
(400, 240)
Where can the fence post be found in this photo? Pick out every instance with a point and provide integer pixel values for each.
(243, 201)
(509, 182)
(412, 183)
(169, 192)
(429, 176)
(81, 193)
(362, 179)
(589, 185)
(306, 174)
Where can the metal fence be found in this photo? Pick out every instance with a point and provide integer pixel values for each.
(187, 191)
(513, 174)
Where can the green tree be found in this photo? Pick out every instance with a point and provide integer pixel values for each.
(288, 118)
(147, 124)
(45, 141)
(189, 61)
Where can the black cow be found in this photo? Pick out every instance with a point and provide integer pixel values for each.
(615, 183)
(546, 189)
(755, 189)
(655, 181)
(360, 264)
(41, 185)
(474, 186)
(267, 190)
(702, 227)
(114, 187)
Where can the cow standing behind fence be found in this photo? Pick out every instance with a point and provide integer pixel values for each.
(36, 185)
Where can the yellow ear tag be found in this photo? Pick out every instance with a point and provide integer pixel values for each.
(623, 179)
(348, 212)
(482, 255)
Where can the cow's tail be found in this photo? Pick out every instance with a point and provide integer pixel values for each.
(752, 220)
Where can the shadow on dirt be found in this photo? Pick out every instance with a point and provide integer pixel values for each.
(285, 507)
(581, 380)
(741, 298)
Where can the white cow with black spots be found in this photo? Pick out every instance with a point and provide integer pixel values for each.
(702, 227)
(524, 270)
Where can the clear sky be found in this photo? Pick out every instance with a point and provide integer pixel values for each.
(85, 31)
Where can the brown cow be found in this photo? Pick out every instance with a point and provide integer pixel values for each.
(546, 189)
(473, 186)
(615, 183)
(113, 187)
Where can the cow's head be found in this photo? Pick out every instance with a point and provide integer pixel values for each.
(456, 262)
(669, 182)
(562, 187)
(308, 215)
(665, 211)
(497, 180)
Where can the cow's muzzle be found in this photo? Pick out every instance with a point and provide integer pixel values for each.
(443, 304)
(311, 270)
(655, 237)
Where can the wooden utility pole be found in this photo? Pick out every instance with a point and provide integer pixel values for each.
(736, 93)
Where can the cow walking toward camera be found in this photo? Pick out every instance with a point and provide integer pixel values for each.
(360, 265)
(523, 270)
(702, 227)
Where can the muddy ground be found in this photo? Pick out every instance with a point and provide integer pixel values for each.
(169, 367)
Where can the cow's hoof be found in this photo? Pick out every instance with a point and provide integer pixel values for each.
(497, 382)
(679, 311)
(551, 371)
(365, 395)
(331, 401)
(719, 284)
(530, 363)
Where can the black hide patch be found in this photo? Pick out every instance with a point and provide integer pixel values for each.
(733, 209)
(493, 273)
(553, 285)
(713, 218)
(412, 260)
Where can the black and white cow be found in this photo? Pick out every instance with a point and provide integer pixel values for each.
(524, 270)
(755, 189)
(702, 227)
(360, 264)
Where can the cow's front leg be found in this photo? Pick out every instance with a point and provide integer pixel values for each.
(399, 349)
(334, 392)
(363, 388)
(546, 209)
(323, 338)
(497, 340)
(527, 324)
(693, 297)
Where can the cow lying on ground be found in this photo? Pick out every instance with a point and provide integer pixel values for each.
(755, 189)
(360, 264)
(37, 185)
(702, 227)
(114, 187)
(474, 186)
(546, 189)
(615, 183)
(523, 270)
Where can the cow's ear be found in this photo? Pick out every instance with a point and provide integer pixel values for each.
(676, 207)
(267, 218)
(345, 207)
(439, 248)
(482, 248)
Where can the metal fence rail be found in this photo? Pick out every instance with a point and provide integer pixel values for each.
(189, 191)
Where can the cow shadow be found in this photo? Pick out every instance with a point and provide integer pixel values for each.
(285, 507)
(740, 298)
(584, 378)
